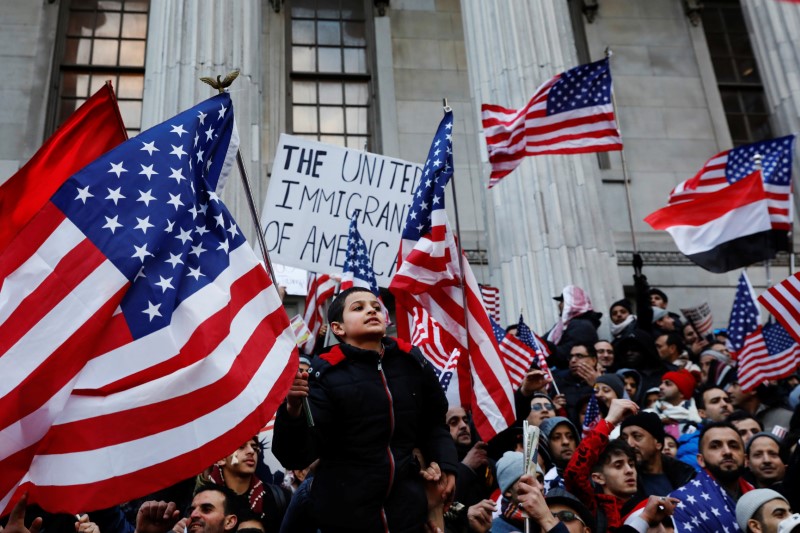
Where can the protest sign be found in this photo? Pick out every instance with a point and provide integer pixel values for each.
(700, 317)
(314, 190)
(294, 279)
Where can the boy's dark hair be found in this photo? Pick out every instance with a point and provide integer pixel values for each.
(699, 400)
(715, 425)
(615, 447)
(658, 292)
(675, 339)
(741, 414)
(336, 309)
(232, 500)
(589, 348)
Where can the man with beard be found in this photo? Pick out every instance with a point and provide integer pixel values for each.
(475, 480)
(214, 509)
(764, 461)
(713, 405)
(762, 511)
(659, 475)
(709, 500)
(577, 381)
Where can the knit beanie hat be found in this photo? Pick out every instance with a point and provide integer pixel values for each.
(759, 435)
(650, 422)
(621, 303)
(750, 502)
(684, 380)
(658, 314)
(613, 381)
(510, 468)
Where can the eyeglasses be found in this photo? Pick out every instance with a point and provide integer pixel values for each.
(568, 516)
(542, 407)
(580, 356)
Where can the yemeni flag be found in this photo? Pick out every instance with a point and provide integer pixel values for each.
(731, 214)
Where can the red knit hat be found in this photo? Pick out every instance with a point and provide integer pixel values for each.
(684, 380)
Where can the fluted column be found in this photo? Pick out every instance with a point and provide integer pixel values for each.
(188, 39)
(546, 228)
(774, 29)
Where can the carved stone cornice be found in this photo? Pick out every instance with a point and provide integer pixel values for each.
(625, 258)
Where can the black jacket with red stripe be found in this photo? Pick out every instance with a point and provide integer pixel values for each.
(369, 413)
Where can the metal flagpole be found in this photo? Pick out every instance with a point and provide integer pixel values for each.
(758, 160)
(446, 109)
(624, 163)
(220, 85)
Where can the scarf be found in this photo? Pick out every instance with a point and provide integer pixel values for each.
(511, 512)
(255, 494)
(576, 302)
(617, 329)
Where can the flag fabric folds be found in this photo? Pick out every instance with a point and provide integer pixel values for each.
(516, 355)
(592, 416)
(783, 302)
(426, 334)
(745, 316)
(429, 277)
(321, 287)
(357, 270)
(142, 338)
(491, 301)
(571, 113)
(92, 130)
(769, 353)
(731, 214)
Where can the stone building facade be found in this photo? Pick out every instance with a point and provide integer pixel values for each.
(689, 82)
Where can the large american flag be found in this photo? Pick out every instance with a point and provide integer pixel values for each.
(783, 302)
(745, 315)
(769, 353)
(321, 288)
(570, 114)
(704, 507)
(429, 277)
(732, 165)
(141, 336)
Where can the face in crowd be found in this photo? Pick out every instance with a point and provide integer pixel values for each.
(747, 428)
(721, 451)
(580, 356)
(670, 446)
(562, 443)
(605, 353)
(207, 514)
(243, 461)
(458, 422)
(541, 409)
(644, 445)
(764, 461)
(717, 405)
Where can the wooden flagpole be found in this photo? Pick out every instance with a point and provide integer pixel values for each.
(446, 108)
(625, 177)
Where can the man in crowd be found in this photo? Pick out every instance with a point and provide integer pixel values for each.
(558, 512)
(669, 347)
(214, 509)
(709, 500)
(675, 405)
(768, 416)
(577, 381)
(764, 460)
(560, 437)
(713, 405)
(761, 511)
(510, 468)
(658, 474)
(745, 423)
(475, 480)
(542, 408)
(609, 465)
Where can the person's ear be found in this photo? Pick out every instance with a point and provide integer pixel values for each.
(702, 413)
(230, 522)
(221, 462)
(337, 328)
(754, 525)
(599, 478)
(659, 446)
(700, 460)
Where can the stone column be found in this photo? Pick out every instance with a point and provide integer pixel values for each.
(774, 29)
(188, 39)
(546, 228)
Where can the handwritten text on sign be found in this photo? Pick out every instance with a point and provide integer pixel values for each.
(314, 190)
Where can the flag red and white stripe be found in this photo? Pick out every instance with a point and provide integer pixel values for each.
(783, 302)
(91, 414)
(571, 113)
(517, 358)
(426, 334)
(757, 365)
(321, 287)
(491, 301)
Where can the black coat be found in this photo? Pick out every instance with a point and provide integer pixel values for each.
(369, 413)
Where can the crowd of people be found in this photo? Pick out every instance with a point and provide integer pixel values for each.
(369, 443)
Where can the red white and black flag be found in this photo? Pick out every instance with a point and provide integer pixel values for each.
(731, 215)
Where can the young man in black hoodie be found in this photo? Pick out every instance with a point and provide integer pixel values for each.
(374, 401)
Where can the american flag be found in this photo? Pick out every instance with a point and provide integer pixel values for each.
(783, 302)
(426, 334)
(704, 507)
(570, 114)
(592, 416)
(527, 336)
(745, 315)
(491, 301)
(321, 287)
(132, 301)
(768, 353)
(429, 277)
(516, 355)
(733, 165)
(357, 270)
